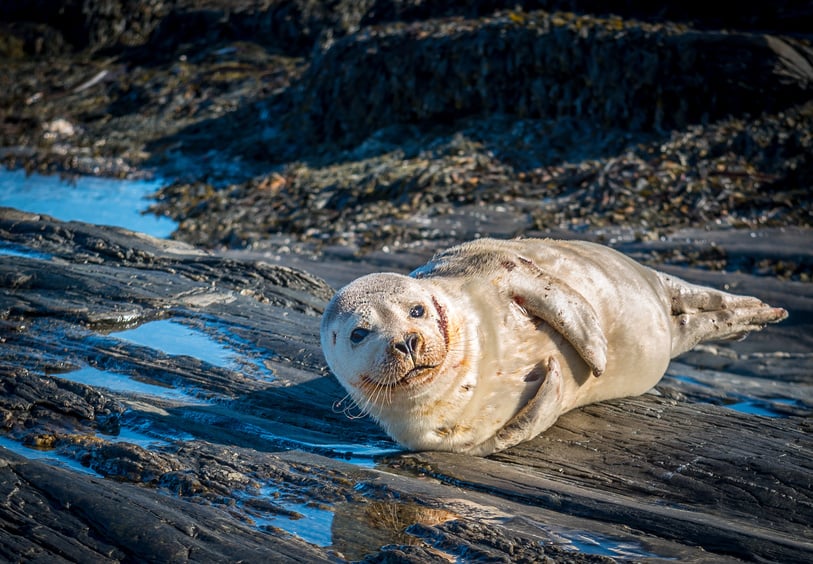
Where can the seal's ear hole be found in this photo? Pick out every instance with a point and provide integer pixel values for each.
(358, 334)
(417, 311)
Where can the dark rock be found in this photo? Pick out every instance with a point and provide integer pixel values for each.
(28, 397)
(611, 71)
(83, 519)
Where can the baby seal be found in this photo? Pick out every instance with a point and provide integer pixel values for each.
(491, 341)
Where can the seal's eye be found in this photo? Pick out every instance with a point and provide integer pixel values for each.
(416, 311)
(357, 335)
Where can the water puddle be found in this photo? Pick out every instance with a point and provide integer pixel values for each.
(125, 385)
(250, 358)
(175, 338)
(769, 407)
(745, 394)
(352, 529)
(362, 455)
(131, 436)
(102, 201)
(602, 545)
(14, 250)
(360, 529)
(146, 431)
(49, 456)
(272, 511)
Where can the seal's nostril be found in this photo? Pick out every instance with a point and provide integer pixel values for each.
(412, 340)
(409, 346)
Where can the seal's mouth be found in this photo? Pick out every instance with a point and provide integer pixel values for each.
(418, 375)
(414, 378)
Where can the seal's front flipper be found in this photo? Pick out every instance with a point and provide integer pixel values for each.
(540, 413)
(567, 311)
(700, 313)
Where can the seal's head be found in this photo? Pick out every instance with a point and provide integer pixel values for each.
(386, 338)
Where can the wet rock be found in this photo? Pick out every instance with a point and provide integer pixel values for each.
(30, 400)
(392, 554)
(479, 542)
(202, 456)
(264, 282)
(81, 518)
(128, 462)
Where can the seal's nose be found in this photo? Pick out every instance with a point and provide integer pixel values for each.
(409, 346)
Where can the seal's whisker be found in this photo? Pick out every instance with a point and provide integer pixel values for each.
(353, 416)
(339, 406)
(388, 395)
(382, 393)
(350, 407)
(367, 401)
(373, 397)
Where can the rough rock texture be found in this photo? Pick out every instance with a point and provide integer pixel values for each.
(204, 459)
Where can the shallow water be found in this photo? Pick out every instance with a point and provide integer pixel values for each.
(14, 250)
(363, 455)
(102, 201)
(311, 524)
(763, 407)
(744, 394)
(126, 435)
(601, 545)
(356, 454)
(49, 456)
(124, 384)
(174, 338)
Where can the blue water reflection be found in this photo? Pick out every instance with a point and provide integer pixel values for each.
(91, 199)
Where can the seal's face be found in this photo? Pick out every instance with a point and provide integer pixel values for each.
(386, 338)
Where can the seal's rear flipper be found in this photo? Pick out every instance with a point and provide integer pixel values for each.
(701, 313)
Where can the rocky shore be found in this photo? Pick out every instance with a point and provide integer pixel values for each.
(302, 144)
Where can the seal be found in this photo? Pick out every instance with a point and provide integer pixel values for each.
(492, 340)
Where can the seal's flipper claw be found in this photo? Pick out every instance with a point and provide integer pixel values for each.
(567, 311)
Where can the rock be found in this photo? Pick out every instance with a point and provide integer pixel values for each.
(209, 460)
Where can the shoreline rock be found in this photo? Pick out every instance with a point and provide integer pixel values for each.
(234, 456)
